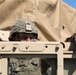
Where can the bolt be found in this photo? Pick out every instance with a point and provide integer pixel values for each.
(56, 48)
(3, 47)
(27, 47)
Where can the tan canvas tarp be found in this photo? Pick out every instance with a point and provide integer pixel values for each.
(54, 19)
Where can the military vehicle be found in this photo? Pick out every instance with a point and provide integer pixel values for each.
(64, 52)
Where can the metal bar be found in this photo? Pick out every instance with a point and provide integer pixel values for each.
(4, 66)
(0, 67)
(60, 64)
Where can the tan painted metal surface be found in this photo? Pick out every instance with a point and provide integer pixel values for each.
(35, 49)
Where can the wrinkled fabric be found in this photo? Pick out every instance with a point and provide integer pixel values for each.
(51, 18)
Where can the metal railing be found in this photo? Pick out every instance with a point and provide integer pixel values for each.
(35, 49)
